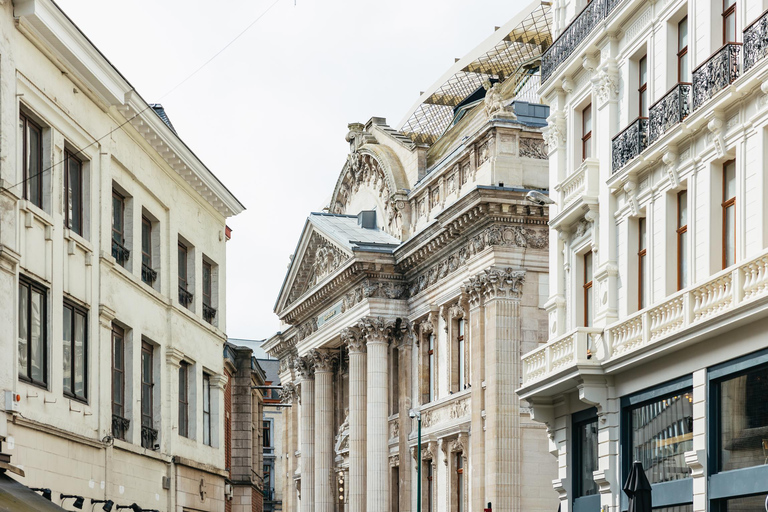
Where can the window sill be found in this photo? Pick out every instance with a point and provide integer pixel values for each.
(75, 398)
(38, 212)
(84, 244)
(33, 383)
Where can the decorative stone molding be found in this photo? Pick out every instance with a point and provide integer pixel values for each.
(608, 85)
(173, 357)
(289, 393)
(567, 85)
(533, 148)
(376, 289)
(323, 360)
(494, 103)
(670, 161)
(321, 258)
(561, 488)
(353, 339)
(602, 479)
(394, 429)
(715, 126)
(630, 188)
(106, 316)
(394, 460)
(218, 381)
(494, 283)
(304, 366)
(697, 461)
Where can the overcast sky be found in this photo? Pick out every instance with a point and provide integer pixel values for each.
(269, 115)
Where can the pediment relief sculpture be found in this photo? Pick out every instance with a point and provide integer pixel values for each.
(321, 258)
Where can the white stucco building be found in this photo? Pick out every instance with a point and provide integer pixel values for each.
(112, 279)
(415, 293)
(657, 330)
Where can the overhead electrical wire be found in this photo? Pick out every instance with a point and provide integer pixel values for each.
(187, 78)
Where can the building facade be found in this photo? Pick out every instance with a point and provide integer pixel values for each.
(411, 298)
(113, 303)
(273, 426)
(657, 344)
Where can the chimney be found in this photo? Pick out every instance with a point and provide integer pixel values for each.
(367, 219)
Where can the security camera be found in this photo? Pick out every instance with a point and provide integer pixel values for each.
(412, 414)
(539, 198)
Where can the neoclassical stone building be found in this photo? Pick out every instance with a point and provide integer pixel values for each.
(416, 291)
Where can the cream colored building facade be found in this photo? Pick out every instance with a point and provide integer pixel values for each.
(112, 280)
(656, 352)
(415, 293)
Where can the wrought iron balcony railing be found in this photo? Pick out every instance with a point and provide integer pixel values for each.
(185, 297)
(119, 426)
(582, 25)
(120, 253)
(148, 437)
(147, 274)
(629, 143)
(716, 73)
(668, 111)
(756, 41)
(209, 313)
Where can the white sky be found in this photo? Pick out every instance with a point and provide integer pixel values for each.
(269, 115)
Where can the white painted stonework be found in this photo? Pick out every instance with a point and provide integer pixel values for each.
(52, 75)
(681, 309)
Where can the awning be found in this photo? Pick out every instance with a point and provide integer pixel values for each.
(16, 497)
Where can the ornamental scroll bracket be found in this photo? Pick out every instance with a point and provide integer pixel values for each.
(715, 126)
(670, 161)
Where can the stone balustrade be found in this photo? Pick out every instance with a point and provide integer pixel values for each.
(564, 352)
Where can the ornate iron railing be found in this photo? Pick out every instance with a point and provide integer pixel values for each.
(147, 274)
(716, 73)
(756, 41)
(119, 426)
(209, 313)
(629, 143)
(120, 253)
(185, 297)
(668, 111)
(148, 437)
(581, 26)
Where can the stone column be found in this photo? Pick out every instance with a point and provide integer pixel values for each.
(305, 368)
(477, 376)
(325, 363)
(377, 332)
(405, 355)
(357, 418)
(289, 395)
(501, 291)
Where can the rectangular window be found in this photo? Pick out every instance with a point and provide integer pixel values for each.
(585, 453)
(460, 347)
(185, 296)
(431, 363)
(119, 423)
(75, 345)
(206, 409)
(148, 434)
(642, 262)
(209, 312)
(148, 274)
(586, 132)
(682, 239)
(119, 252)
(267, 435)
(184, 399)
(729, 21)
(683, 68)
(31, 139)
(643, 86)
(33, 332)
(459, 482)
(729, 213)
(429, 485)
(73, 185)
(588, 289)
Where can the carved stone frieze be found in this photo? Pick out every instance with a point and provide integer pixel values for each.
(533, 148)
(371, 288)
(494, 236)
(321, 259)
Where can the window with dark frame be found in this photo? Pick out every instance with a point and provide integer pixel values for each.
(148, 274)
(459, 482)
(642, 91)
(184, 399)
(31, 139)
(682, 239)
(585, 453)
(586, 131)
(206, 409)
(729, 213)
(185, 296)
(209, 312)
(33, 332)
(431, 364)
(461, 347)
(642, 262)
(267, 439)
(73, 188)
(119, 422)
(429, 485)
(75, 351)
(683, 68)
(729, 21)
(588, 289)
(148, 432)
(119, 251)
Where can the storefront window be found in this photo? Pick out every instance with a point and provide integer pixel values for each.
(585, 453)
(744, 420)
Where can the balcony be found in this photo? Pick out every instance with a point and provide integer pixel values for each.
(209, 313)
(669, 111)
(147, 274)
(561, 354)
(119, 426)
(148, 437)
(629, 143)
(755, 41)
(185, 297)
(716, 73)
(565, 45)
(120, 253)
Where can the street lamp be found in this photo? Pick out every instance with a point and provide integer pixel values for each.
(538, 198)
(417, 415)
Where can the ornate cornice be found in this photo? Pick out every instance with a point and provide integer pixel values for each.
(320, 259)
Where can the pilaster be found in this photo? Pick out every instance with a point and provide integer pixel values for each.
(355, 342)
(324, 363)
(305, 368)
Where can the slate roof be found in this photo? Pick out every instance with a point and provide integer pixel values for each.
(345, 231)
(160, 111)
(271, 368)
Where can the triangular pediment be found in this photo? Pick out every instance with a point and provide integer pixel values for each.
(316, 259)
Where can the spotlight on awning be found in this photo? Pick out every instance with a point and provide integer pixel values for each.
(108, 504)
(78, 500)
(46, 492)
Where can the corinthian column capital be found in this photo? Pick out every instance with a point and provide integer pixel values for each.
(353, 338)
(495, 283)
(323, 360)
(304, 366)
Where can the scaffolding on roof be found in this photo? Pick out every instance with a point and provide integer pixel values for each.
(513, 53)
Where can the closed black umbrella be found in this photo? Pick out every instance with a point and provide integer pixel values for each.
(638, 489)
